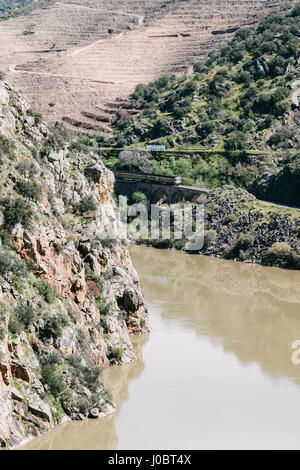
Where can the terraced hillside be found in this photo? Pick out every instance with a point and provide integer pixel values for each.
(79, 60)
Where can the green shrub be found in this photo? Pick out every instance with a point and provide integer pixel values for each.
(29, 189)
(25, 314)
(52, 377)
(104, 307)
(104, 324)
(46, 291)
(138, 197)
(115, 354)
(108, 243)
(10, 263)
(280, 137)
(230, 219)
(243, 243)
(14, 326)
(53, 358)
(88, 376)
(53, 326)
(209, 237)
(17, 211)
(37, 115)
(58, 248)
(236, 140)
(87, 204)
(28, 168)
(82, 338)
(6, 145)
(296, 10)
(138, 92)
(22, 317)
(2, 333)
(279, 250)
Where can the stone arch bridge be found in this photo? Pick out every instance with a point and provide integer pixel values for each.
(156, 192)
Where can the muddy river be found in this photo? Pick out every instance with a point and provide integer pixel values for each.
(217, 370)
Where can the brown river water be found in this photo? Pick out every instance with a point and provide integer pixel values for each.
(215, 373)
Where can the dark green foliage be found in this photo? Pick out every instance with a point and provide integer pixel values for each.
(243, 243)
(14, 326)
(29, 189)
(280, 138)
(21, 319)
(89, 376)
(138, 197)
(6, 145)
(13, 8)
(58, 248)
(36, 114)
(108, 243)
(115, 354)
(10, 263)
(104, 324)
(28, 168)
(103, 306)
(51, 376)
(138, 92)
(236, 140)
(53, 326)
(25, 314)
(266, 103)
(2, 333)
(46, 291)
(87, 204)
(296, 10)
(17, 211)
(134, 161)
(56, 140)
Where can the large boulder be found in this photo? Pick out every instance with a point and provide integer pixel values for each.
(131, 300)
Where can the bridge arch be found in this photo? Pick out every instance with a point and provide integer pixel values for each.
(177, 196)
(159, 196)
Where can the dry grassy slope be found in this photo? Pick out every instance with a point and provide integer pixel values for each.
(72, 61)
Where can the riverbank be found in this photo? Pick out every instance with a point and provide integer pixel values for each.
(239, 227)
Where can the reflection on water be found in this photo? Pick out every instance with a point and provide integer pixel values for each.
(252, 311)
(216, 370)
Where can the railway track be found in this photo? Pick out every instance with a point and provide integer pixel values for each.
(199, 151)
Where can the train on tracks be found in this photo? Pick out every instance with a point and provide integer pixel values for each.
(148, 178)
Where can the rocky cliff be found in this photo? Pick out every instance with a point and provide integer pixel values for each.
(69, 299)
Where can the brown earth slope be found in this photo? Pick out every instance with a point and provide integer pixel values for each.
(72, 57)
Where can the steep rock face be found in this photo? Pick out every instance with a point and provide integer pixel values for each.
(69, 297)
(280, 186)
